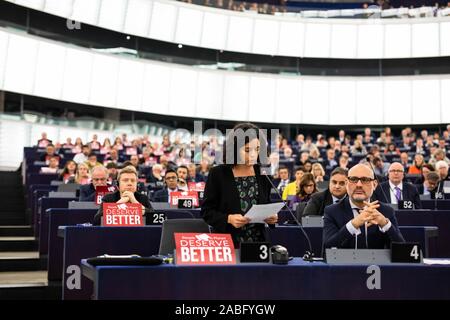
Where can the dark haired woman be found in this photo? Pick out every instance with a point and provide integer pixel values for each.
(233, 187)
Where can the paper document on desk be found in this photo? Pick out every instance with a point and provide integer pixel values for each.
(437, 261)
(259, 212)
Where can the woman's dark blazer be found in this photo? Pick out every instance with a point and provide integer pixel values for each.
(221, 197)
(114, 197)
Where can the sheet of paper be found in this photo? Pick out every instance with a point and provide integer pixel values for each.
(259, 212)
(437, 261)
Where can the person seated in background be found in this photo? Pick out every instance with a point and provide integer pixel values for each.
(193, 176)
(283, 179)
(358, 148)
(395, 189)
(356, 215)
(182, 173)
(53, 165)
(291, 188)
(335, 192)
(155, 176)
(99, 177)
(425, 170)
(127, 193)
(304, 157)
(380, 167)
(82, 176)
(203, 171)
(431, 185)
(50, 152)
(330, 162)
(442, 169)
(92, 161)
(306, 188)
(343, 162)
(69, 171)
(307, 167)
(113, 156)
(83, 155)
(43, 142)
(318, 173)
(171, 181)
(94, 144)
(404, 161)
(68, 144)
(134, 160)
(112, 173)
(416, 167)
(438, 155)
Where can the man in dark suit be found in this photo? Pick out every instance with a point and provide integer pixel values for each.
(432, 186)
(283, 178)
(357, 223)
(163, 195)
(127, 193)
(395, 189)
(335, 192)
(99, 177)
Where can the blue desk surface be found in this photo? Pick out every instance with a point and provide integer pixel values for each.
(85, 242)
(297, 280)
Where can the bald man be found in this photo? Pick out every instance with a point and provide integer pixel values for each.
(357, 222)
(395, 189)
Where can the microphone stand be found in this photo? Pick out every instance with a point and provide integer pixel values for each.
(308, 256)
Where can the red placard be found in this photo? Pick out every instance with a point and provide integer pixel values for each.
(100, 192)
(122, 214)
(176, 195)
(196, 186)
(204, 248)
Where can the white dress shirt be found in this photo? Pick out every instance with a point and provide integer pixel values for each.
(392, 191)
(354, 231)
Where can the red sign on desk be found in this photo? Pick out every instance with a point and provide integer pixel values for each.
(177, 195)
(204, 248)
(101, 191)
(122, 214)
(196, 186)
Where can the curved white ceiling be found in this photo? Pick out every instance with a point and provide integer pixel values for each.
(205, 27)
(34, 66)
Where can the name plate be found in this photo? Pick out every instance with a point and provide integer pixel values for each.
(312, 221)
(156, 218)
(177, 195)
(405, 205)
(359, 256)
(185, 204)
(255, 252)
(406, 252)
(204, 249)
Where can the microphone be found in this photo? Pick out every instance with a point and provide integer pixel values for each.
(308, 256)
(376, 177)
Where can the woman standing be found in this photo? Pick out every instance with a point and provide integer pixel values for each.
(233, 187)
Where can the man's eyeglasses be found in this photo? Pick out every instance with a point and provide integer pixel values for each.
(364, 180)
(396, 171)
(171, 178)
